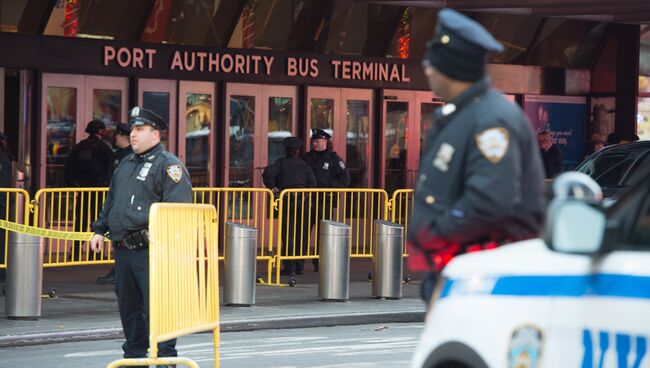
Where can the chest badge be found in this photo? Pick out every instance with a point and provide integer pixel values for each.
(493, 143)
(326, 166)
(443, 157)
(142, 175)
(175, 172)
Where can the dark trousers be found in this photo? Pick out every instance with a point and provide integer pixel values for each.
(86, 211)
(295, 230)
(132, 289)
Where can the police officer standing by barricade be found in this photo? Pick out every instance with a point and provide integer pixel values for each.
(122, 149)
(292, 172)
(149, 175)
(481, 177)
(89, 165)
(330, 172)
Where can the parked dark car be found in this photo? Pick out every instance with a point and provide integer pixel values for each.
(618, 167)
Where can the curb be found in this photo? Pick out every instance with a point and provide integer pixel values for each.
(328, 320)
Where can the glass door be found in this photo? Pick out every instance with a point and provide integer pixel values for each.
(426, 103)
(243, 111)
(159, 96)
(105, 100)
(399, 138)
(196, 130)
(280, 107)
(324, 112)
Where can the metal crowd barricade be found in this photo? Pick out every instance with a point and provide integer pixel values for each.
(72, 210)
(300, 212)
(250, 206)
(183, 277)
(401, 208)
(15, 207)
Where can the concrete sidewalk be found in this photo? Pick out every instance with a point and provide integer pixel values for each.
(83, 310)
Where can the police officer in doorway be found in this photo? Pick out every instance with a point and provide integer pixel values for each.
(149, 175)
(292, 172)
(481, 178)
(122, 149)
(330, 172)
(89, 165)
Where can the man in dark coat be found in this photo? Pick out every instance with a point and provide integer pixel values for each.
(551, 155)
(292, 172)
(481, 177)
(331, 172)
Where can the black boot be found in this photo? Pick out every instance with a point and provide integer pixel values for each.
(109, 279)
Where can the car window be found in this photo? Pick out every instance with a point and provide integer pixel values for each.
(639, 171)
(607, 169)
(640, 237)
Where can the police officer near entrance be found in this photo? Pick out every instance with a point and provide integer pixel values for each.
(292, 172)
(330, 172)
(123, 149)
(481, 177)
(149, 175)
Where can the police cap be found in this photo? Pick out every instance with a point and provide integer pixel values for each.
(94, 126)
(320, 133)
(139, 116)
(122, 129)
(459, 46)
(292, 142)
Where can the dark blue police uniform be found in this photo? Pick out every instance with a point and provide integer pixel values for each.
(139, 181)
(481, 177)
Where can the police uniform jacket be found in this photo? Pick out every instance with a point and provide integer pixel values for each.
(121, 153)
(289, 172)
(481, 176)
(138, 182)
(90, 164)
(329, 169)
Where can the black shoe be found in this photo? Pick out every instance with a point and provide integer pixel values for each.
(109, 279)
(287, 273)
(315, 263)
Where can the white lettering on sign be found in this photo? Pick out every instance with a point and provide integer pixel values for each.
(357, 70)
(129, 57)
(302, 67)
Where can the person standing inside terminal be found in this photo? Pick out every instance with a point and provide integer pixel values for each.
(89, 165)
(481, 179)
(149, 175)
(551, 155)
(122, 149)
(330, 172)
(292, 172)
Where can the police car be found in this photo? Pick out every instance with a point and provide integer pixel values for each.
(579, 297)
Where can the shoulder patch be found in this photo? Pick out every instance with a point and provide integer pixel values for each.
(342, 164)
(493, 143)
(175, 172)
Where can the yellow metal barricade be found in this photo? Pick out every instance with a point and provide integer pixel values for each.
(300, 212)
(249, 206)
(14, 207)
(72, 210)
(401, 209)
(183, 278)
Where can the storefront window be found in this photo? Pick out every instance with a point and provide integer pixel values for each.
(643, 119)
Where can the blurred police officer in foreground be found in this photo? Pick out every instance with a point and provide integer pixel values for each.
(122, 149)
(89, 165)
(481, 177)
(330, 172)
(292, 172)
(149, 175)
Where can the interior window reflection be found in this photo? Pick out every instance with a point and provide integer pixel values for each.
(396, 132)
(280, 126)
(357, 142)
(61, 125)
(198, 120)
(242, 128)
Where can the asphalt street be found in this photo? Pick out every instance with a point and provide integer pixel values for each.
(361, 346)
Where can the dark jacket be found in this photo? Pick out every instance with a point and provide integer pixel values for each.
(120, 154)
(89, 164)
(552, 160)
(138, 182)
(289, 172)
(329, 169)
(481, 177)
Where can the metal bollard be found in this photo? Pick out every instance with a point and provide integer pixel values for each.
(240, 265)
(24, 276)
(387, 262)
(334, 278)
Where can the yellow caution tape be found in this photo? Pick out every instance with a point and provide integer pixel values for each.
(45, 233)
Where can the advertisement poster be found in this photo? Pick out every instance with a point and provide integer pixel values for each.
(563, 116)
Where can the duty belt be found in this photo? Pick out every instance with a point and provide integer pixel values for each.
(134, 241)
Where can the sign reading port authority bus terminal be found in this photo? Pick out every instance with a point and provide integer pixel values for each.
(233, 63)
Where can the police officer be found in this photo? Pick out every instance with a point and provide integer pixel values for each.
(90, 164)
(122, 149)
(481, 176)
(330, 172)
(292, 172)
(149, 175)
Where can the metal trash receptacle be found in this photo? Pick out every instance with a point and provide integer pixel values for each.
(24, 276)
(334, 244)
(240, 265)
(387, 262)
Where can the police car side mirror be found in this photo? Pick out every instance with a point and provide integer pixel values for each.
(575, 226)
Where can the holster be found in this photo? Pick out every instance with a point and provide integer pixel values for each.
(135, 240)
